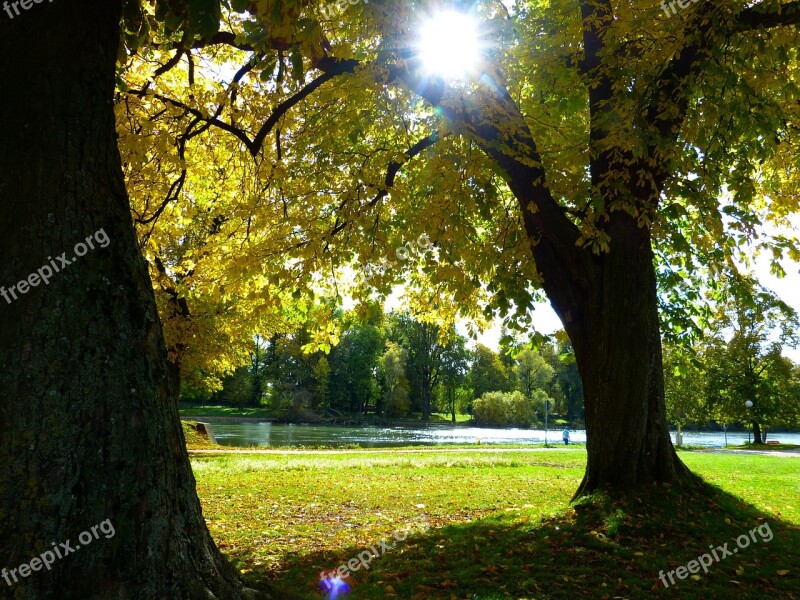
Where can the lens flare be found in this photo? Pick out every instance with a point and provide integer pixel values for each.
(333, 586)
(449, 45)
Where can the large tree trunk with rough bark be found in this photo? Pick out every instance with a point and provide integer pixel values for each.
(610, 311)
(89, 430)
(608, 303)
(619, 356)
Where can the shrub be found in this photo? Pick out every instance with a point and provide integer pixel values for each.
(520, 410)
(499, 409)
(398, 405)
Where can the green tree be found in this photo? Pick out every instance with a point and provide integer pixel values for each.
(454, 369)
(487, 372)
(289, 370)
(500, 409)
(354, 366)
(684, 387)
(565, 387)
(237, 388)
(257, 370)
(532, 372)
(322, 381)
(393, 363)
(425, 356)
(748, 366)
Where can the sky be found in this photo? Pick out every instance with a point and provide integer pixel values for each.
(788, 289)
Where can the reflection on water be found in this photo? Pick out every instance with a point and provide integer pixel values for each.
(267, 434)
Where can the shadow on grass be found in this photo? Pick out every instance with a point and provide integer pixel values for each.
(601, 547)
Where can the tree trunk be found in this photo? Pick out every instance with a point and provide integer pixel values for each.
(426, 396)
(614, 327)
(90, 430)
(757, 439)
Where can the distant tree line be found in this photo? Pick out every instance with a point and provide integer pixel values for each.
(392, 365)
(737, 373)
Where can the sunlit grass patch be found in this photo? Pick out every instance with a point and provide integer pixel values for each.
(500, 524)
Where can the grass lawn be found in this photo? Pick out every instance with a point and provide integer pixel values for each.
(763, 447)
(444, 418)
(490, 525)
(223, 411)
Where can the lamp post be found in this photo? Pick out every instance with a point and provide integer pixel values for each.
(749, 405)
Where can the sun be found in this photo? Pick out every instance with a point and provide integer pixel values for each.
(449, 45)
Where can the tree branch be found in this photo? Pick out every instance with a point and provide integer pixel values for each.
(172, 62)
(333, 68)
(395, 166)
(241, 135)
(672, 90)
(766, 17)
(226, 38)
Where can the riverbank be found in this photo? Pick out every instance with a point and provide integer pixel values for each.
(232, 414)
(265, 434)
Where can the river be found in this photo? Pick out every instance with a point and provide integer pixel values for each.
(274, 435)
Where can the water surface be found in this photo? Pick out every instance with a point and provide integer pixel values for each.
(276, 436)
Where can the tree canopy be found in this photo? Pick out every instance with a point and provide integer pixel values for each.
(599, 150)
(617, 158)
(293, 130)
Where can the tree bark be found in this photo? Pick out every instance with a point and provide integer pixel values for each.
(608, 304)
(611, 316)
(90, 430)
(757, 439)
(426, 395)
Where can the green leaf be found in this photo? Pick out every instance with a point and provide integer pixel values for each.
(204, 17)
(296, 58)
(269, 69)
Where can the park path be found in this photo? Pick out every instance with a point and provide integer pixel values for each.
(234, 450)
(777, 452)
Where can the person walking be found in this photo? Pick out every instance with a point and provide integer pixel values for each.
(565, 435)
